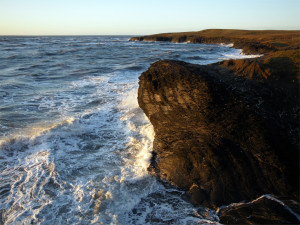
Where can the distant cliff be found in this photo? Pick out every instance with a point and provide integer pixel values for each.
(251, 41)
(228, 131)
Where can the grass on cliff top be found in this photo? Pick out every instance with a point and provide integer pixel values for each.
(285, 64)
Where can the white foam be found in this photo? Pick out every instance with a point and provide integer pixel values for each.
(27, 193)
(141, 137)
(238, 54)
(129, 100)
(227, 45)
(36, 130)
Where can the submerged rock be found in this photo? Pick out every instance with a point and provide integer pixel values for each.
(220, 137)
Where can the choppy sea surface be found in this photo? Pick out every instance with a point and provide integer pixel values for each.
(74, 145)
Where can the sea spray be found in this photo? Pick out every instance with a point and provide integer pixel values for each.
(140, 142)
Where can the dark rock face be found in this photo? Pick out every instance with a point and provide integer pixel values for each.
(264, 210)
(220, 137)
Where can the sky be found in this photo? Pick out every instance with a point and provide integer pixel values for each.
(141, 17)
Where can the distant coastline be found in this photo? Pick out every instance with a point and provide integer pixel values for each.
(251, 41)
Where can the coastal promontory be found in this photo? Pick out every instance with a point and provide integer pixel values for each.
(228, 132)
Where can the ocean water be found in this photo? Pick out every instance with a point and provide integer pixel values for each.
(74, 145)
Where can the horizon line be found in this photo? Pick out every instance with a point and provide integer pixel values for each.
(59, 35)
(40, 35)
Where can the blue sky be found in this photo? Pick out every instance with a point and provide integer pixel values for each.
(136, 17)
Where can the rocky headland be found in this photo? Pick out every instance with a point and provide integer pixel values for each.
(251, 41)
(229, 132)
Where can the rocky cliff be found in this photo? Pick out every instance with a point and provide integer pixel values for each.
(221, 137)
(228, 132)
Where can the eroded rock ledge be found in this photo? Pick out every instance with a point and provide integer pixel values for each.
(220, 137)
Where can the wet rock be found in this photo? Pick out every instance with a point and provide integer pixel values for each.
(264, 210)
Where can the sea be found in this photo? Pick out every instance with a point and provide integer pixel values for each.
(74, 144)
